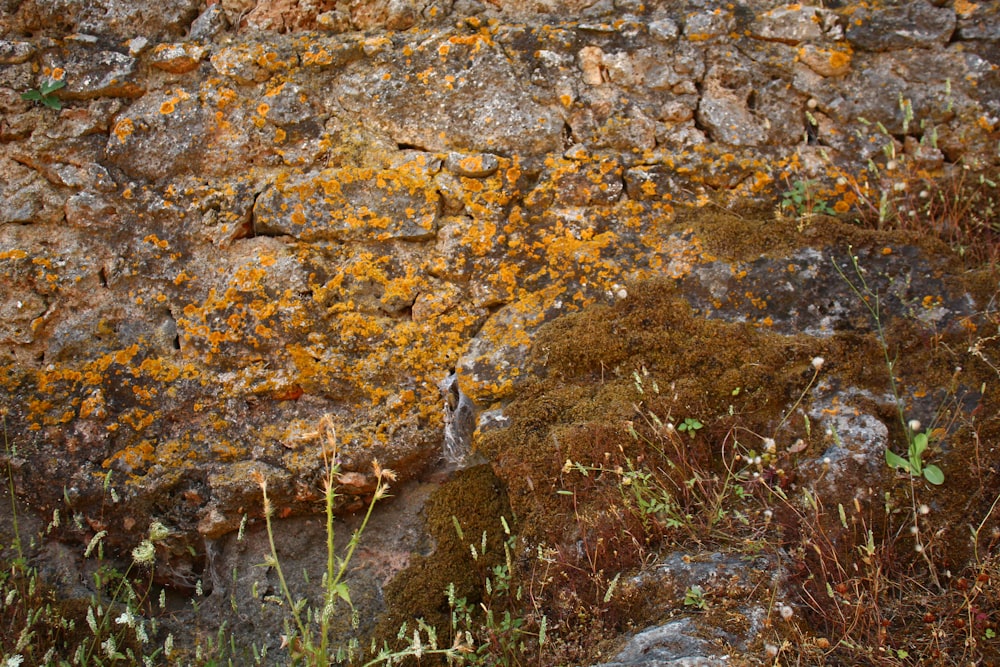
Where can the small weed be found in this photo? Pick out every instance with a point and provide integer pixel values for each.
(44, 93)
(917, 442)
(802, 200)
(911, 187)
(307, 630)
(694, 596)
(914, 464)
(494, 632)
(690, 425)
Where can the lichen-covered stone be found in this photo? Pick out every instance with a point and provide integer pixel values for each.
(104, 17)
(177, 58)
(219, 239)
(916, 24)
(355, 204)
(13, 52)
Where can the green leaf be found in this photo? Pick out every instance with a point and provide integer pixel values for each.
(894, 460)
(52, 103)
(51, 86)
(933, 475)
(31, 96)
(919, 444)
(343, 592)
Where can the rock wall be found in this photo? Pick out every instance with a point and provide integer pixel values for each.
(236, 218)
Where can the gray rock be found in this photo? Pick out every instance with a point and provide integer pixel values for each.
(804, 293)
(177, 58)
(472, 166)
(791, 24)
(665, 29)
(348, 204)
(725, 107)
(26, 197)
(705, 25)
(91, 74)
(287, 104)
(89, 209)
(12, 53)
(452, 107)
(108, 17)
(209, 23)
(917, 24)
(159, 136)
(674, 644)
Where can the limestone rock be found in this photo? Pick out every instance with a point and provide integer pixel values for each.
(736, 108)
(106, 17)
(90, 74)
(791, 24)
(177, 58)
(914, 24)
(221, 238)
(159, 136)
(826, 62)
(13, 52)
(449, 107)
(26, 197)
(360, 204)
(209, 23)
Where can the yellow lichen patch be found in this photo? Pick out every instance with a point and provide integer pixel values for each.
(156, 241)
(122, 129)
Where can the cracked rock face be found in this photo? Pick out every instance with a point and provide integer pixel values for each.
(247, 217)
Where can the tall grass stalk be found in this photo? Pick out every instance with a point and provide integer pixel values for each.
(312, 643)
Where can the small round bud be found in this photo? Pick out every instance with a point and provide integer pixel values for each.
(817, 362)
(914, 425)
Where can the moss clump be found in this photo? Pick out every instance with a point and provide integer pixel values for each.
(476, 498)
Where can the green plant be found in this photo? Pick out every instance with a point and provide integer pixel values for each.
(912, 187)
(497, 632)
(801, 199)
(694, 596)
(44, 93)
(690, 424)
(307, 629)
(913, 463)
(916, 442)
(113, 626)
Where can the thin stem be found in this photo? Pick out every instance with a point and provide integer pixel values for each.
(979, 529)
(296, 616)
(799, 399)
(875, 312)
(10, 489)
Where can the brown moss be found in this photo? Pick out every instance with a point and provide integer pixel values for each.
(475, 497)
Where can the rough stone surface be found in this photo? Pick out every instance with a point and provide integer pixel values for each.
(913, 24)
(277, 217)
(245, 216)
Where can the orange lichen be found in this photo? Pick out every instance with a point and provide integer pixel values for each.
(122, 129)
